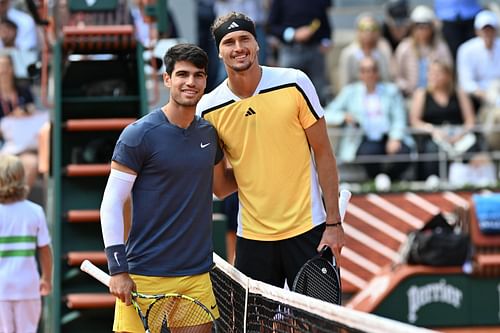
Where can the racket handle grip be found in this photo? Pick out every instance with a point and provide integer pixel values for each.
(344, 198)
(95, 272)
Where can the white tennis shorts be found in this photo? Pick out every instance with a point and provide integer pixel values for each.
(20, 316)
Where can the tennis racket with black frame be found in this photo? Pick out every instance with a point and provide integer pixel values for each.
(166, 313)
(319, 277)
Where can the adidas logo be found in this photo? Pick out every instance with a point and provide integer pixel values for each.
(233, 25)
(250, 112)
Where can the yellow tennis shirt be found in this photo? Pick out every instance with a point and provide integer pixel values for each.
(265, 142)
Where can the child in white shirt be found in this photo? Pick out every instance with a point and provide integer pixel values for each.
(23, 235)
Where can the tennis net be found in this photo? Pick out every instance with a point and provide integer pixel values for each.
(247, 305)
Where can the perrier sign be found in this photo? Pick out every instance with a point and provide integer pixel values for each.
(444, 300)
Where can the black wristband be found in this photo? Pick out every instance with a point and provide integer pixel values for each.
(333, 224)
(117, 259)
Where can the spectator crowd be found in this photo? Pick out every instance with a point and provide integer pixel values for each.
(414, 91)
(419, 80)
(20, 118)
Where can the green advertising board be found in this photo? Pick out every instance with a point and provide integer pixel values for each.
(444, 300)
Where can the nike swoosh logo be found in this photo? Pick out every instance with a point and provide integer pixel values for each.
(204, 145)
(116, 258)
(213, 306)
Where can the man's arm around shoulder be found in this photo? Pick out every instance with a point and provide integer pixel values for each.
(224, 181)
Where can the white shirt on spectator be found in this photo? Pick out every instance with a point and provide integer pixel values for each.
(19, 275)
(22, 59)
(477, 66)
(27, 36)
(20, 134)
(141, 27)
(377, 124)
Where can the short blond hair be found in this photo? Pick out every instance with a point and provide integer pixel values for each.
(12, 179)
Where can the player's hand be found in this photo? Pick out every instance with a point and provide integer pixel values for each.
(334, 238)
(121, 286)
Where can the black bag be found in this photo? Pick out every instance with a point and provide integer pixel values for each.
(437, 244)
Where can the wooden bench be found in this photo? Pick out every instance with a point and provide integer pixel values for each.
(108, 124)
(89, 301)
(87, 170)
(83, 215)
(77, 257)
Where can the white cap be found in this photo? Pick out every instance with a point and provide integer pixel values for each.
(422, 14)
(485, 18)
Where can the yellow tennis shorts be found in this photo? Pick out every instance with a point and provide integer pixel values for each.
(197, 286)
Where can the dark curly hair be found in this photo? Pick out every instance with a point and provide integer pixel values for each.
(185, 52)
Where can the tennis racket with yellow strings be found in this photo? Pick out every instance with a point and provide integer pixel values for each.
(166, 313)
